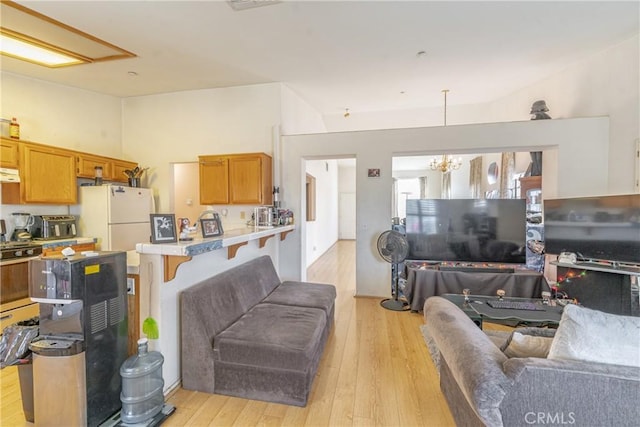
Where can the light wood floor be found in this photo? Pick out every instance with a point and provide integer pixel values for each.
(375, 371)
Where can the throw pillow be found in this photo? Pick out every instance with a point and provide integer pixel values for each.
(595, 336)
(521, 345)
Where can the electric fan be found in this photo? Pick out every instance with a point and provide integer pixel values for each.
(394, 248)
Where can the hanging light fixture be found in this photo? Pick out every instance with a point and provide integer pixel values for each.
(447, 163)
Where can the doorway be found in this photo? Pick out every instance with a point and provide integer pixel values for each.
(335, 205)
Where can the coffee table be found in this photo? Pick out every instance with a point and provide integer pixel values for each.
(479, 311)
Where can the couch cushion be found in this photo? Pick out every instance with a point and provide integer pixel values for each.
(595, 336)
(521, 345)
(220, 300)
(273, 336)
(304, 294)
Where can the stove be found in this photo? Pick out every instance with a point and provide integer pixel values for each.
(13, 250)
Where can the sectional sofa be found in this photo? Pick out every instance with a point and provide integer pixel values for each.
(586, 373)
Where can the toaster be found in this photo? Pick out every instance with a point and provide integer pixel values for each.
(52, 227)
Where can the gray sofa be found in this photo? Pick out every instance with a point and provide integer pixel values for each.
(483, 386)
(246, 334)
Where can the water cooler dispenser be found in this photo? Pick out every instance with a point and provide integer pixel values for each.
(83, 337)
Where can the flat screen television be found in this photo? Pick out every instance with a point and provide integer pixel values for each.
(467, 230)
(594, 228)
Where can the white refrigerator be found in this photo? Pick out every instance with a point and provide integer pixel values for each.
(117, 215)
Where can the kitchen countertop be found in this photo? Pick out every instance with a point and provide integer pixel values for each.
(133, 262)
(133, 258)
(65, 242)
(199, 245)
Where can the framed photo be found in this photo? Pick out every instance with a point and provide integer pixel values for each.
(211, 226)
(373, 173)
(163, 228)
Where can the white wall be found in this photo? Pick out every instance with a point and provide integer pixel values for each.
(297, 115)
(606, 84)
(63, 116)
(177, 127)
(374, 149)
(323, 232)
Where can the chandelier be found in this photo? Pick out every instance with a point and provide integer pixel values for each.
(446, 164)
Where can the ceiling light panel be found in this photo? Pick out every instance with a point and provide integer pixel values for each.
(48, 32)
(19, 49)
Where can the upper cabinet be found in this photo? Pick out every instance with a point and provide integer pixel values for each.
(87, 163)
(240, 179)
(214, 180)
(48, 174)
(118, 167)
(112, 169)
(8, 153)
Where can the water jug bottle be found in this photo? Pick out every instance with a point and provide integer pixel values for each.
(142, 385)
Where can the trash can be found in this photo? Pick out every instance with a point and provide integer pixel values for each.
(25, 376)
(59, 381)
(14, 350)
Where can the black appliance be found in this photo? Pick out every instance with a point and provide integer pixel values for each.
(83, 337)
(467, 230)
(594, 228)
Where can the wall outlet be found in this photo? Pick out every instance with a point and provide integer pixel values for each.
(131, 286)
(242, 215)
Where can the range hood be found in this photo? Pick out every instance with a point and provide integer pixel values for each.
(9, 175)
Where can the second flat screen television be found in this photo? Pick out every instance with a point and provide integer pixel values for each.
(467, 230)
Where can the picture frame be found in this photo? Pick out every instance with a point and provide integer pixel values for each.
(211, 227)
(163, 228)
(373, 173)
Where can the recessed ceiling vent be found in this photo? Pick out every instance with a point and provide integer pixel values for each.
(238, 5)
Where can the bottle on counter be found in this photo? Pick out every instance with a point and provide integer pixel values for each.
(14, 129)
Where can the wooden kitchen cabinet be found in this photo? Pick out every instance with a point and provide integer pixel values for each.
(112, 169)
(133, 308)
(9, 315)
(86, 164)
(48, 174)
(236, 179)
(118, 167)
(8, 153)
(214, 180)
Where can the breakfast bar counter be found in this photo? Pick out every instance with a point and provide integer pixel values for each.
(183, 251)
(199, 245)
